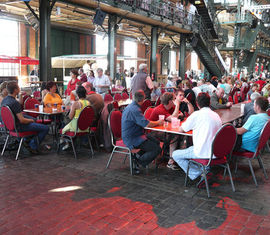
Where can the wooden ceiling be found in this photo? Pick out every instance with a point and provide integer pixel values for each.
(80, 19)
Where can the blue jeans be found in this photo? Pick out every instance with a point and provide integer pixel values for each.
(182, 157)
(41, 129)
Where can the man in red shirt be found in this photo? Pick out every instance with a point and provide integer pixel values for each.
(261, 83)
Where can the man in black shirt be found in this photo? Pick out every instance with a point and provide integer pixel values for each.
(23, 123)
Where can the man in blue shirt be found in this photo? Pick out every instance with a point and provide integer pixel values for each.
(252, 128)
(133, 123)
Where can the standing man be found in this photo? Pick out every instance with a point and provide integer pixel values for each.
(102, 82)
(23, 123)
(133, 123)
(141, 81)
(204, 123)
(87, 67)
(82, 76)
(217, 100)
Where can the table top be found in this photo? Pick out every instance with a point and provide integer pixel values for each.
(48, 111)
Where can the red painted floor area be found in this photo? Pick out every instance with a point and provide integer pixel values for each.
(113, 202)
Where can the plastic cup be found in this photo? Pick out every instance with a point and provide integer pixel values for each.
(161, 117)
(165, 125)
(40, 108)
(174, 122)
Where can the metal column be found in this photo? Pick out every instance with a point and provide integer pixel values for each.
(45, 40)
(182, 64)
(153, 58)
(112, 31)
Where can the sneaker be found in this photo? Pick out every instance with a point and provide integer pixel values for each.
(65, 147)
(201, 183)
(173, 167)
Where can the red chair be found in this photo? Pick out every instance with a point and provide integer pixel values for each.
(117, 97)
(189, 97)
(130, 95)
(148, 112)
(264, 137)
(145, 105)
(230, 99)
(226, 134)
(84, 122)
(115, 105)
(125, 96)
(114, 122)
(30, 104)
(108, 98)
(235, 99)
(157, 101)
(37, 94)
(268, 112)
(10, 125)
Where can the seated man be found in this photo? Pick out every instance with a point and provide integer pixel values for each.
(249, 107)
(217, 100)
(133, 123)
(204, 123)
(251, 130)
(23, 123)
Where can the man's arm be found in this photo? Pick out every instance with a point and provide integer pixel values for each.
(155, 123)
(24, 120)
(215, 104)
(241, 131)
(149, 83)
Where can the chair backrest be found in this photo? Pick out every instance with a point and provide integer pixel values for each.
(125, 96)
(224, 141)
(114, 122)
(268, 112)
(86, 118)
(157, 101)
(264, 137)
(117, 97)
(145, 105)
(189, 97)
(36, 94)
(8, 118)
(30, 104)
(148, 112)
(108, 97)
(115, 105)
(230, 99)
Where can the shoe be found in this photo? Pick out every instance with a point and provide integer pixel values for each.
(201, 183)
(33, 151)
(65, 147)
(173, 167)
(138, 161)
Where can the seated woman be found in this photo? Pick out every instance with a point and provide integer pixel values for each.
(75, 111)
(52, 97)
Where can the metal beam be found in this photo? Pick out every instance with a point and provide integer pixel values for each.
(182, 63)
(174, 41)
(112, 31)
(52, 5)
(143, 33)
(31, 9)
(153, 58)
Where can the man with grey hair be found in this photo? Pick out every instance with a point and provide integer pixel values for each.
(141, 81)
(217, 100)
(249, 107)
(102, 82)
(133, 124)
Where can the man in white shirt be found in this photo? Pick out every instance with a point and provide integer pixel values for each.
(204, 123)
(87, 68)
(102, 82)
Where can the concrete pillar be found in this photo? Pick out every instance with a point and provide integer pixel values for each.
(153, 58)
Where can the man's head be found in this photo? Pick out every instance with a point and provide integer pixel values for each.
(132, 69)
(88, 87)
(167, 100)
(180, 94)
(81, 92)
(203, 100)
(80, 71)
(143, 68)
(139, 97)
(220, 92)
(13, 88)
(254, 96)
(100, 72)
(255, 87)
(261, 104)
(88, 61)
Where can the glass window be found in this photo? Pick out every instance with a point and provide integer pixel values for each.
(172, 61)
(9, 45)
(130, 50)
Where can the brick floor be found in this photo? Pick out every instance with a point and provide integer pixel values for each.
(112, 202)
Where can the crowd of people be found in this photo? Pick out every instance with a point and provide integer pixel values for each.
(189, 99)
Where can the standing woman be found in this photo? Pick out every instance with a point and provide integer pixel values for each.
(72, 83)
(52, 97)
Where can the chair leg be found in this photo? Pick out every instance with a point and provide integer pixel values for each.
(130, 163)
(17, 155)
(224, 173)
(110, 159)
(206, 182)
(230, 174)
(74, 151)
(90, 145)
(95, 137)
(5, 145)
(235, 170)
(58, 146)
(262, 166)
(186, 178)
(252, 172)
(125, 159)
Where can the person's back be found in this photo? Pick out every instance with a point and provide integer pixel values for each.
(139, 83)
(96, 101)
(249, 107)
